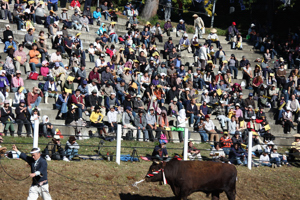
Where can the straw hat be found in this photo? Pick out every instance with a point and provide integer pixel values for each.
(297, 135)
(213, 30)
(42, 38)
(195, 15)
(64, 9)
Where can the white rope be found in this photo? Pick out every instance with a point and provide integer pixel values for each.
(136, 183)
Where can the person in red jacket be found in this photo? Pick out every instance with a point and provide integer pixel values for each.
(75, 5)
(77, 99)
(226, 143)
(34, 99)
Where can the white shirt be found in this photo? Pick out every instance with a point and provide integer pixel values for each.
(263, 158)
(209, 125)
(203, 54)
(97, 45)
(55, 57)
(145, 80)
(91, 50)
(18, 97)
(92, 87)
(220, 152)
(112, 116)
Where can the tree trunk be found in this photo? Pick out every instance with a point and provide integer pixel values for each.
(150, 9)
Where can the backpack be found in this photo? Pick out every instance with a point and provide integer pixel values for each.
(41, 86)
(33, 76)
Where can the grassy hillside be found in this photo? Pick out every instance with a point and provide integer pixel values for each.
(259, 183)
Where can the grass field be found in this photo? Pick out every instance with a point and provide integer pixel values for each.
(259, 183)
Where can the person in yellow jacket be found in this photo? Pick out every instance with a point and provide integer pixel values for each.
(96, 121)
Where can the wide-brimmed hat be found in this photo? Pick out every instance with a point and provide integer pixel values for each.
(64, 9)
(213, 30)
(195, 15)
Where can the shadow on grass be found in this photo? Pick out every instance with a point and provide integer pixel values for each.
(139, 197)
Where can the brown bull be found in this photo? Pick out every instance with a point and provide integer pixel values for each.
(187, 177)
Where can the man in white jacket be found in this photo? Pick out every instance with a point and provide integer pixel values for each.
(293, 104)
(198, 25)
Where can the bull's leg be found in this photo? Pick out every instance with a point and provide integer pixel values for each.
(230, 195)
(215, 196)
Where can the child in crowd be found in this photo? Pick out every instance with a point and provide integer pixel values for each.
(92, 53)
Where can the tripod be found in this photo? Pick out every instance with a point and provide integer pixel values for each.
(134, 154)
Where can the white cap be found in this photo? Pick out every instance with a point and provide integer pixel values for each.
(222, 102)
(205, 91)
(56, 137)
(288, 108)
(175, 99)
(253, 117)
(112, 93)
(7, 25)
(252, 25)
(219, 72)
(162, 74)
(185, 35)
(238, 105)
(195, 74)
(181, 20)
(187, 89)
(139, 96)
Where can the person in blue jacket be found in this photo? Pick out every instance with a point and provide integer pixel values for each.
(10, 43)
(97, 16)
(38, 173)
(237, 155)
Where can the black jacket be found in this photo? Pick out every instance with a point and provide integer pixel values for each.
(41, 167)
(71, 117)
(7, 33)
(5, 116)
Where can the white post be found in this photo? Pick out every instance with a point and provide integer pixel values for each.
(213, 15)
(118, 150)
(185, 143)
(249, 149)
(36, 134)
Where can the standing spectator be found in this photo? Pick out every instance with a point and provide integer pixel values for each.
(71, 148)
(21, 118)
(202, 56)
(168, 9)
(198, 25)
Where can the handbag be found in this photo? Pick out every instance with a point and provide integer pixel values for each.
(33, 76)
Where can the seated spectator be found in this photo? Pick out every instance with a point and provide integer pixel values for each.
(218, 154)
(10, 45)
(71, 148)
(18, 16)
(193, 152)
(21, 59)
(157, 32)
(77, 99)
(7, 33)
(53, 4)
(288, 121)
(180, 29)
(225, 143)
(236, 138)
(264, 159)
(201, 130)
(140, 122)
(96, 121)
(112, 115)
(7, 118)
(237, 155)
(17, 82)
(237, 42)
(34, 55)
(210, 129)
(184, 44)
(50, 90)
(85, 22)
(105, 11)
(65, 18)
(97, 16)
(127, 121)
(192, 113)
(76, 23)
(232, 31)
(213, 37)
(277, 159)
(160, 151)
(163, 124)
(40, 13)
(19, 95)
(75, 5)
(28, 40)
(112, 32)
(168, 27)
(21, 118)
(295, 148)
(54, 150)
(47, 128)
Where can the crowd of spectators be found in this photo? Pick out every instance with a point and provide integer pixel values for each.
(147, 88)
